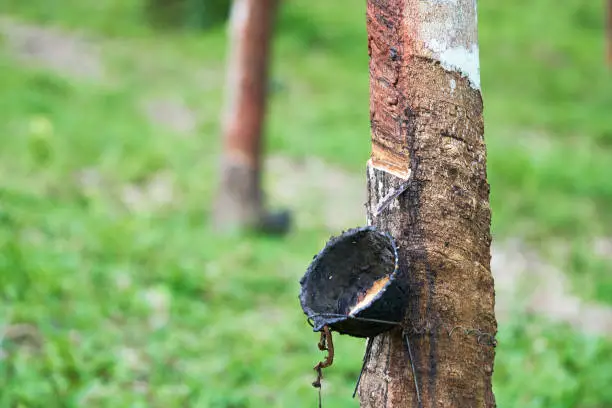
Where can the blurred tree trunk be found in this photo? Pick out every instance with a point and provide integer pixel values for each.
(427, 127)
(239, 201)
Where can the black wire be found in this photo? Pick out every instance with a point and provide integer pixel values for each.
(364, 319)
(416, 383)
(366, 357)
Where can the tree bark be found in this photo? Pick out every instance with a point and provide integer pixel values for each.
(427, 127)
(239, 200)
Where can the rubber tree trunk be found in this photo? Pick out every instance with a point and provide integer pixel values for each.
(239, 200)
(427, 127)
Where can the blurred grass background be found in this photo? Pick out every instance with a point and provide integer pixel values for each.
(114, 292)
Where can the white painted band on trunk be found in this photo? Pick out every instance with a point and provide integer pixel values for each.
(466, 61)
(449, 33)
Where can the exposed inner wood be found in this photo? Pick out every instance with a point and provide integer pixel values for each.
(387, 160)
(364, 299)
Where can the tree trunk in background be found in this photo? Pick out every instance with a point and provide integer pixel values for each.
(427, 126)
(239, 203)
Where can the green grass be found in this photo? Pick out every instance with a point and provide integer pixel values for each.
(146, 306)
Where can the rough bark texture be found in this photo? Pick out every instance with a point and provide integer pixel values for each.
(239, 202)
(426, 120)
